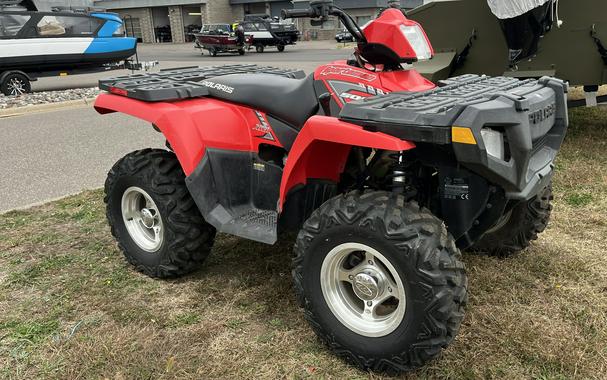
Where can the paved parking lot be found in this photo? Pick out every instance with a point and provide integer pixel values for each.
(52, 154)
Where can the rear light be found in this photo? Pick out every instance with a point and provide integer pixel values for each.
(118, 91)
(417, 39)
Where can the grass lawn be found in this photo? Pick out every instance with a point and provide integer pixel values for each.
(70, 306)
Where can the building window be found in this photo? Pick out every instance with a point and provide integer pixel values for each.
(362, 20)
(10, 25)
(53, 26)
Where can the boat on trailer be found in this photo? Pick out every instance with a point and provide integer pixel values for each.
(38, 38)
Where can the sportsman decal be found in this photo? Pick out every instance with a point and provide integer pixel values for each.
(348, 72)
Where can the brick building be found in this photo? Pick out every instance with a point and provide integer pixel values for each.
(156, 21)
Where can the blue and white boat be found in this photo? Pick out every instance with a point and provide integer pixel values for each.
(57, 38)
(35, 40)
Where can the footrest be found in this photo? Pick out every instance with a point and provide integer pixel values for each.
(254, 224)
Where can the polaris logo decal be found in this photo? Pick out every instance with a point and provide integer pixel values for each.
(218, 86)
(348, 72)
(542, 114)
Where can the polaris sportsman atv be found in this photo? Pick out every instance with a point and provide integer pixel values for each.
(385, 175)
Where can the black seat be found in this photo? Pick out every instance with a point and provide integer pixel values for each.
(290, 100)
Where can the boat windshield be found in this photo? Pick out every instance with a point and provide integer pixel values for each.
(10, 25)
(217, 29)
(68, 26)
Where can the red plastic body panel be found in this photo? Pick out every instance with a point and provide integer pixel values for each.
(385, 30)
(322, 147)
(373, 83)
(190, 126)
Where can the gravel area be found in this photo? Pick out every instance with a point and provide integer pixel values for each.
(47, 97)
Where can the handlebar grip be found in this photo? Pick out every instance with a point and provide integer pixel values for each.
(297, 13)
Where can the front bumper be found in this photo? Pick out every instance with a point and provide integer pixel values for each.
(533, 128)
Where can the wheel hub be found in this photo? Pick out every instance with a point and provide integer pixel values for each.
(147, 217)
(366, 286)
(16, 87)
(363, 289)
(142, 219)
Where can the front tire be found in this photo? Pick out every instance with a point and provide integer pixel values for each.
(152, 216)
(259, 48)
(519, 227)
(380, 281)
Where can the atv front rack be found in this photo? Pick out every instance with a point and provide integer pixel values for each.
(184, 82)
(428, 116)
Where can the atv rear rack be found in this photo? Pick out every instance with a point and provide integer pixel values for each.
(184, 82)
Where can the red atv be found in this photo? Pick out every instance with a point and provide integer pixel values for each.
(385, 175)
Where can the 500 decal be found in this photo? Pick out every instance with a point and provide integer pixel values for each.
(348, 91)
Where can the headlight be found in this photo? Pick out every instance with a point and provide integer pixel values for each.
(417, 40)
(494, 142)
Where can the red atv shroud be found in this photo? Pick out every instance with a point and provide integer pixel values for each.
(321, 148)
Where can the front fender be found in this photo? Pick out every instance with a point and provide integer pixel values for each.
(322, 147)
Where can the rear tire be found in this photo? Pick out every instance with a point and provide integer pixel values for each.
(281, 48)
(259, 48)
(154, 219)
(414, 256)
(213, 52)
(241, 51)
(524, 222)
(15, 84)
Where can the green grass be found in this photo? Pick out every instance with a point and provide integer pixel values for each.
(70, 306)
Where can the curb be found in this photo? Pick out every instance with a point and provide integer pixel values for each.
(48, 200)
(35, 108)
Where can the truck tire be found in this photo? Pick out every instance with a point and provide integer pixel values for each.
(280, 47)
(154, 219)
(259, 48)
(14, 84)
(380, 281)
(519, 227)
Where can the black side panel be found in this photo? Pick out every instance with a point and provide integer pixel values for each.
(320, 88)
(237, 193)
(285, 133)
(469, 204)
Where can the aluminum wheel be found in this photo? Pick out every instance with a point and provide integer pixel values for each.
(363, 289)
(142, 219)
(16, 86)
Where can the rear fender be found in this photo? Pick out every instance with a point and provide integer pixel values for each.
(191, 126)
(322, 147)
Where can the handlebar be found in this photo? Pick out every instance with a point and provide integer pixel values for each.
(321, 9)
(297, 13)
